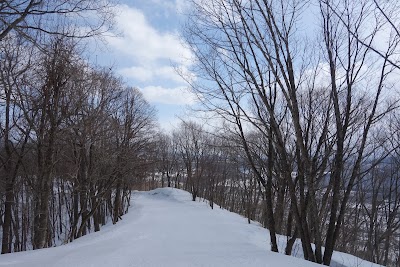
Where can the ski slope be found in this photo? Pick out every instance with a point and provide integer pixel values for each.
(165, 228)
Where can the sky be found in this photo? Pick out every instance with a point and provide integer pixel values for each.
(148, 51)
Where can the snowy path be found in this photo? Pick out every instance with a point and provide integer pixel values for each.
(165, 228)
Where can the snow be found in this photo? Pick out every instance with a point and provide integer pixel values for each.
(165, 228)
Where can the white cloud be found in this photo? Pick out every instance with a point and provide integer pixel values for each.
(137, 72)
(145, 43)
(174, 96)
(149, 73)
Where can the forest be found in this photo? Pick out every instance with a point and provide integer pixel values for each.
(297, 124)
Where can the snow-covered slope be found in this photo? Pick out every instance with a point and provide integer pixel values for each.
(165, 228)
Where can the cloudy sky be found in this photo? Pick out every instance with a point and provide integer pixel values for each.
(149, 51)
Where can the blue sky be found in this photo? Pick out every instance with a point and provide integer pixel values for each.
(148, 52)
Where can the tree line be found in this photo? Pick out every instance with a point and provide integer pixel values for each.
(73, 137)
(308, 91)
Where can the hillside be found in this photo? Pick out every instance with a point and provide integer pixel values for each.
(165, 228)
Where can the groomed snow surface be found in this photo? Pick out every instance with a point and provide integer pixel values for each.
(165, 228)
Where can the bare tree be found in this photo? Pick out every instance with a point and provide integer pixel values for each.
(14, 51)
(382, 17)
(168, 156)
(30, 18)
(192, 147)
(135, 121)
(47, 103)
